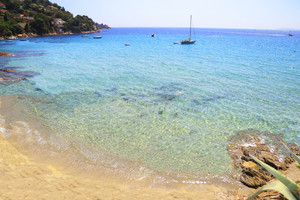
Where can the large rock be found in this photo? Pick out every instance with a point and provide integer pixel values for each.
(252, 142)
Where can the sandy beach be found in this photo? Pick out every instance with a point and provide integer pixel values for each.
(25, 176)
(29, 172)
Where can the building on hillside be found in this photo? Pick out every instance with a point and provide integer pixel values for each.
(49, 7)
(2, 7)
(27, 19)
(58, 22)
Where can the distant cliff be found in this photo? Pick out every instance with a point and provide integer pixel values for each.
(41, 17)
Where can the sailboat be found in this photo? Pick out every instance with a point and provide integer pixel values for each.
(189, 40)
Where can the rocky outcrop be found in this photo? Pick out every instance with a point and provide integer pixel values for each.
(269, 195)
(102, 26)
(5, 54)
(250, 142)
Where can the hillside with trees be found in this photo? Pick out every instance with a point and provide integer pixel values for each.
(41, 17)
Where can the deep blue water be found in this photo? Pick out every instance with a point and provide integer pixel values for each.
(169, 106)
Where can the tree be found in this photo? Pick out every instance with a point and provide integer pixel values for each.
(5, 17)
(12, 5)
(27, 28)
(4, 30)
(26, 4)
(16, 29)
(39, 26)
(44, 13)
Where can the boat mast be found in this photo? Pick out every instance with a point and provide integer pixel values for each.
(190, 27)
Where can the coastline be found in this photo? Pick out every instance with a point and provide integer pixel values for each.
(22, 178)
(31, 35)
(26, 175)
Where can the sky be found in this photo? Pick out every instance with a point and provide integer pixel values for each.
(241, 14)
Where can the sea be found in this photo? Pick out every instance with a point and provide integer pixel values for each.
(153, 109)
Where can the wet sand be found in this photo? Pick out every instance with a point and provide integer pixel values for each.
(24, 178)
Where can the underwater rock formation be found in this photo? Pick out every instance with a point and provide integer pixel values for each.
(5, 54)
(11, 75)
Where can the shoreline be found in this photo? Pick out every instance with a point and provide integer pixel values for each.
(23, 178)
(46, 177)
(29, 172)
(32, 35)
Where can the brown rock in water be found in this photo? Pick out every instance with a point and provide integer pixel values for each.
(10, 75)
(7, 70)
(250, 142)
(5, 54)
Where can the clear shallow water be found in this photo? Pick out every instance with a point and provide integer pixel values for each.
(170, 107)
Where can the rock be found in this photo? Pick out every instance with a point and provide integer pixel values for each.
(252, 142)
(5, 54)
(160, 112)
(7, 70)
(249, 164)
(270, 194)
(10, 75)
(254, 176)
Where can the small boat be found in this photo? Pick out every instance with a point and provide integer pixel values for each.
(23, 40)
(153, 35)
(97, 37)
(290, 35)
(189, 40)
(127, 44)
(175, 42)
(85, 36)
(8, 40)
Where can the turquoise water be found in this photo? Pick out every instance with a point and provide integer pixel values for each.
(167, 106)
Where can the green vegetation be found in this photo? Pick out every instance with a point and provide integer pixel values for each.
(284, 185)
(40, 17)
(294, 155)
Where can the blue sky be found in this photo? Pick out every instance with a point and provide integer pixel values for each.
(252, 14)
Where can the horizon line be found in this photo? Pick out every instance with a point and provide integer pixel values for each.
(277, 29)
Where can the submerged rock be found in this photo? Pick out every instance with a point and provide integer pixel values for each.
(250, 173)
(111, 90)
(10, 75)
(207, 100)
(5, 54)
